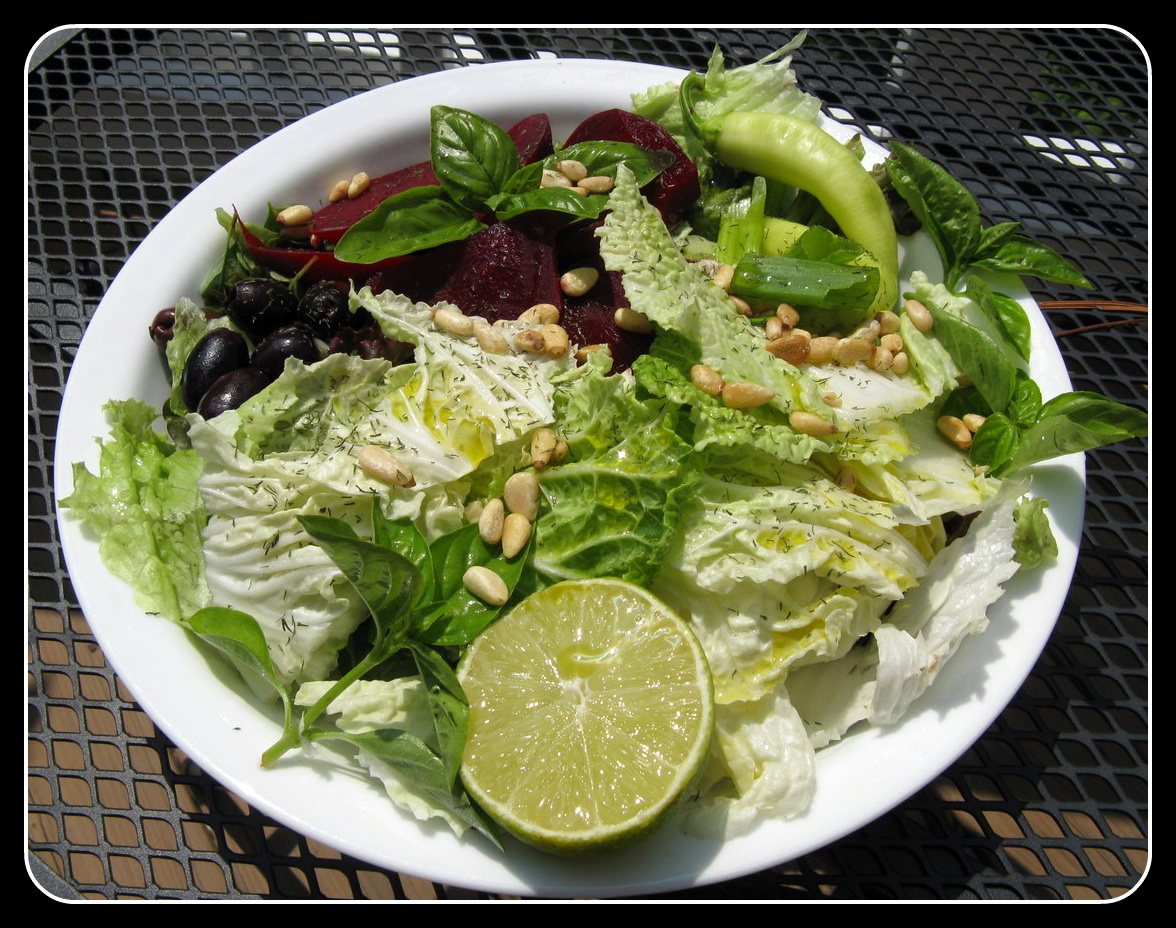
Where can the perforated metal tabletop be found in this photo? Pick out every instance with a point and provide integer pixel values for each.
(1047, 126)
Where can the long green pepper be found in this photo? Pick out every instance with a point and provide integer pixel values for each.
(798, 153)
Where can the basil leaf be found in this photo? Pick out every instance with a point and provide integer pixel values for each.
(945, 206)
(1078, 421)
(986, 362)
(994, 443)
(1020, 255)
(1007, 315)
(556, 199)
(406, 222)
(472, 157)
(420, 765)
(402, 536)
(238, 636)
(447, 704)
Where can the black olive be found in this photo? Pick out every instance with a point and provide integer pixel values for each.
(217, 353)
(324, 307)
(290, 341)
(231, 390)
(260, 305)
(163, 327)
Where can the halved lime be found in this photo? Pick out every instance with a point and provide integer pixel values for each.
(591, 712)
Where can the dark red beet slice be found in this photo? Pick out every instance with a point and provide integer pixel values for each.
(498, 272)
(313, 264)
(532, 136)
(673, 191)
(590, 320)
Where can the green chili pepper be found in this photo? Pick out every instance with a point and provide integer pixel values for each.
(801, 154)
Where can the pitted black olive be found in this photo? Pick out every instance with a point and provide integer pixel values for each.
(324, 307)
(217, 353)
(163, 327)
(290, 341)
(231, 390)
(260, 305)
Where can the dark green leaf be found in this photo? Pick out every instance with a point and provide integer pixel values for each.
(993, 237)
(447, 703)
(404, 223)
(238, 636)
(555, 199)
(403, 537)
(1078, 421)
(1006, 314)
(995, 443)
(988, 365)
(472, 157)
(1019, 255)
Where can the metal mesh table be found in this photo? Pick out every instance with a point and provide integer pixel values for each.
(1047, 126)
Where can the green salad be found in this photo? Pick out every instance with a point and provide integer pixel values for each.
(831, 525)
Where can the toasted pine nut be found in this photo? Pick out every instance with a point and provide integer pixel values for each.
(832, 399)
(741, 306)
(579, 280)
(555, 340)
(955, 431)
(629, 320)
(891, 341)
(572, 170)
(723, 276)
(787, 314)
(741, 395)
(359, 183)
(295, 215)
(453, 321)
(919, 315)
(880, 359)
(774, 327)
(792, 348)
(560, 452)
(707, 379)
(339, 191)
(888, 322)
(540, 314)
(598, 183)
(581, 191)
(491, 520)
(847, 479)
(490, 339)
(520, 493)
(516, 532)
(851, 350)
(973, 421)
(868, 330)
(821, 349)
(384, 466)
(902, 363)
(485, 584)
(473, 510)
(584, 350)
(543, 444)
(530, 340)
(810, 423)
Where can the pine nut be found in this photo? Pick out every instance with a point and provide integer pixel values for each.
(847, 479)
(491, 521)
(973, 421)
(530, 340)
(584, 350)
(881, 359)
(490, 339)
(453, 321)
(359, 183)
(339, 191)
(560, 452)
(384, 466)
(851, 350)
(573, 170)
(629, 320)
(902, 363)
(774, 327)
(832, 399)
(579, 281)
(810, 423)
(821, 349)
(724, 274)
(540, 314)
(792, 348)
(919, 315)
(741, 395)
(598, 183)
(295, 215)
(516, 532)
(891, 341)
(868, 331)
(543, 444)
(579, 191)
(521, 494)
(554, 179)
(485, 584)
(707, 379)
(787, 314)
(555, 340)
(955, 431)
(473, 510)
(741, 306)
(888, 322)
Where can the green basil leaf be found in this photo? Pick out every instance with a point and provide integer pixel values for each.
(603, 158)
(1020, 255)
(472, 157)
(238, 636)
(1006, 314)
(388, 582)
(404, 223)
(986, 362)
(447, 704)
(993, 237)
(1025, 404)
(556, 199)
(1078, 421)
(947, 209)
(994, 443)
(403, 537)
(420, 765)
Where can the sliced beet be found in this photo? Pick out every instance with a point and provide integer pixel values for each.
(330, 222)
(676, 188)
(311, 264)
(533, 138)
(498, 272)
(590, 319)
